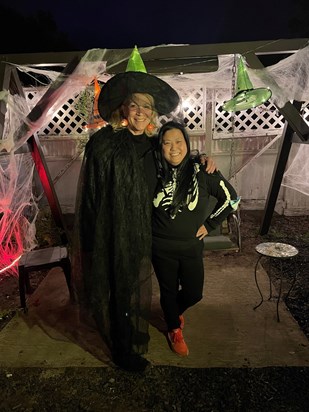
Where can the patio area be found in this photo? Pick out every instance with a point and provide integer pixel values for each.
(222, 330)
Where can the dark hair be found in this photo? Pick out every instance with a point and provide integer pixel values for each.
(185, 170)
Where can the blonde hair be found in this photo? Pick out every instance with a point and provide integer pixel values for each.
(117, 116)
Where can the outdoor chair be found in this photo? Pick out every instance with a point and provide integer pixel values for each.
(41, 259)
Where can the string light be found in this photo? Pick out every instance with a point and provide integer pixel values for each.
(11, 265)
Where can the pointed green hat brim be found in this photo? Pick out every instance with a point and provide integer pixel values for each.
(122, 85)
(247, 99)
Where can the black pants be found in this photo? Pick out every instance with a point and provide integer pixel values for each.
(180, 272)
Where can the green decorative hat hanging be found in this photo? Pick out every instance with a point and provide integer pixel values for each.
(136, 80)
(246, 96)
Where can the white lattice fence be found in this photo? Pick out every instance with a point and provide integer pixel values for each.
(190, 110)
(193, 102)
(263, 120)
(234, 140)
(65, 122)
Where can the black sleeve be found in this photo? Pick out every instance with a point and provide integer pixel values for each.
(226, 196)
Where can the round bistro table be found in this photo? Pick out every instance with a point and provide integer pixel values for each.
(274, 250)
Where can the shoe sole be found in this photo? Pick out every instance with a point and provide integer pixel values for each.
(179, 354)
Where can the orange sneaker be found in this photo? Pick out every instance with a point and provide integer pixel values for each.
(182, 321)
(177, 342)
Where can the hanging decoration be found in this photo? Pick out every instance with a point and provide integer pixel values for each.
(97, 121)
(246, 96)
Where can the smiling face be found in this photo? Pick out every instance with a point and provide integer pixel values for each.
(174, 147)
(138, 110)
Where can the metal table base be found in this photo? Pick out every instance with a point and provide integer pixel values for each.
(272, 250)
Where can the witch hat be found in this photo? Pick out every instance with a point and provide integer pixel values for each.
(246, 96)
(135, 62)
(136, 80)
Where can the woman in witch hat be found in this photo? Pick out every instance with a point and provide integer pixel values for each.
(113, 211)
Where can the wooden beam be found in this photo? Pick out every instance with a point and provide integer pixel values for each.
(279, 169)
(47, 183)
(186, 51)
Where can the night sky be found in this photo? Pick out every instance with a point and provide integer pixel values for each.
(102, 24)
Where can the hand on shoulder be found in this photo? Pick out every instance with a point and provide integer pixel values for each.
(208, 162)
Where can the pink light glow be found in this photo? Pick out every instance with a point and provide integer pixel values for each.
(18, 211)
(11, 265)
(12, 228)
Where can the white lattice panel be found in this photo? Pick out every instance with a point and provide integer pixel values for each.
(191, 109)
(193, 102)
(264, 120)
(234, 140)
(65, 122)
(305, 112)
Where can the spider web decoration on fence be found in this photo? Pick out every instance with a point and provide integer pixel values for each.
(18, 208)
(297, 174)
